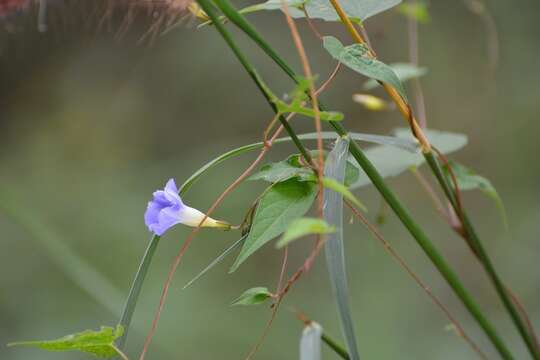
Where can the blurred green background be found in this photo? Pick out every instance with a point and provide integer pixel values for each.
(93, 121)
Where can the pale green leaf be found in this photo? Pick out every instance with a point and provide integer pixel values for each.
(99, 343)
(416, 10)
(343, 190)
(334, 170)
(391, 161)
(302, 227)
(358, 10)
(253, 296)
(404, 72)
(280, 205)
(357, 58)
(467, 179)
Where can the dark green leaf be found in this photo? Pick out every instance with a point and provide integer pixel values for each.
(253, 296)
(357, 58)
(280, 205)
(99, 343)
(302, 227)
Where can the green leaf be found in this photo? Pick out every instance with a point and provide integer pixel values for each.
(99, 343)
(280, 205)
(416, 10)
(358, 10)
(391, 161)
(404, 72)
(302, 227)
(293, 167)
(357, 58)
(467, 179)
(343, 190)
(253, 296)
(281, 171)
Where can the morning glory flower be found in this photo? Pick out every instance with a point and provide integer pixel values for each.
(167, 209)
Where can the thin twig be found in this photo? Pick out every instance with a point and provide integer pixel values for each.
(459, 329)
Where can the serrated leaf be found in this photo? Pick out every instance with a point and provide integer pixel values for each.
(343, 190)
(99, 343)
(334, 247)
(392, 161)
(310, 342)
(356, 57)
(302, 227)
(404, 72)
(358, 11)
(467, 179)
(280, 205)
(253, 296)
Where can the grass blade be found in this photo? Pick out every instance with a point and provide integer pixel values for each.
(217, 260)
(310, 342)
(334, 249)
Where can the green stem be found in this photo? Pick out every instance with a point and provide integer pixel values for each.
(232, 14)
(135, 290)
(476, 246)
(334, 345)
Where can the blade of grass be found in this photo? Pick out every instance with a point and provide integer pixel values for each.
(334, 247)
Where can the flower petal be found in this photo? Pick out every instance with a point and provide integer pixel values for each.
(171, 192)
(167, 218)
(151, 214)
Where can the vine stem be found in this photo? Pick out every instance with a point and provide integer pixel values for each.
(423, 241)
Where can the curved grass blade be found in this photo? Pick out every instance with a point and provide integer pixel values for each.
(310, 342)
(334, 249)
(76, 268)
(217, 260)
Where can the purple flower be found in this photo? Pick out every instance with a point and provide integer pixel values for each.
(167, 209)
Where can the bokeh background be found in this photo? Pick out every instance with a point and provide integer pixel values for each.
(93, 119)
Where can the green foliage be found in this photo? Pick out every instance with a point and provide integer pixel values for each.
(467, 179)
(391, 161)
(302, 227)
(99, 343)
(404, 72)
(253, 296)
(417, 10)
(283, 170)
(343, 190)
(298, 96)
(357, 58)
(358, 11)
(280, 205)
